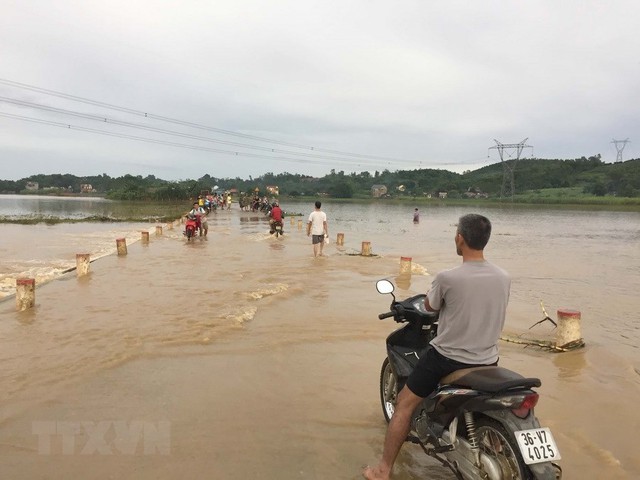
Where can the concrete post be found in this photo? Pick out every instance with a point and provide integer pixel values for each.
(82, 263)
(158, 230)
(144, 237)
(405, 265)
(121, 244)
(25, 293)
(568, 327)
(366, 249)
(299, 224)
(340, 239)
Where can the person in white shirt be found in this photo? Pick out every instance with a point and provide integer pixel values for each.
(318, 229)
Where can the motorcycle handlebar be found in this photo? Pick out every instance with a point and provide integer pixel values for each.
(382, 316)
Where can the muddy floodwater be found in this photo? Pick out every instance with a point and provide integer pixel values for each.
(241, 356)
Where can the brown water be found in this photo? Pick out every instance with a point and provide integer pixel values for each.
(256, 360)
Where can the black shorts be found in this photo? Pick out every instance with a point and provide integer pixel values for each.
(317, 239)
(431, 367)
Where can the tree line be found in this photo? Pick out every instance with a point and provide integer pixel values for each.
(591, 174)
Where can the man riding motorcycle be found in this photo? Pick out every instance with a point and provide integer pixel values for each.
(276, 217)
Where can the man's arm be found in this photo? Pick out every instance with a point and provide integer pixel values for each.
(428, 306)
(435, 292)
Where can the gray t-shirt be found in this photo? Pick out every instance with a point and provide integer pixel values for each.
(472, 300)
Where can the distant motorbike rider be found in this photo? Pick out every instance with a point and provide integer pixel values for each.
(208, 202)
(276, 216)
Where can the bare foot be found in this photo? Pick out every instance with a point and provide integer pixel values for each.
(374, 473)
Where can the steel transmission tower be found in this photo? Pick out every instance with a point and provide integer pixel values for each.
(619, 148)
(509, 169)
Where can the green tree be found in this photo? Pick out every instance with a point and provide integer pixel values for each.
(341, 189)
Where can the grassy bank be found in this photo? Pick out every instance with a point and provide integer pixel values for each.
(553, 198)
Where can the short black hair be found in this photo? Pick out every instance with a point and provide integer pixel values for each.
(318, 203)
(475, 229)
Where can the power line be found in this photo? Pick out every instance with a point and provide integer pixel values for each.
(161, 142)
(103, 119)
(131, 111)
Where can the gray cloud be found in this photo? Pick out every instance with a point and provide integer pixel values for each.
(425, 84)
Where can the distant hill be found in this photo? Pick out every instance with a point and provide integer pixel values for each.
(592, 175)
(584, 176)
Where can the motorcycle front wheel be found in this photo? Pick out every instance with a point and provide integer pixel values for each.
(497, 443)
(388, 390)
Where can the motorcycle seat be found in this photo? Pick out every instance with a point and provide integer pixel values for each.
(489, 379)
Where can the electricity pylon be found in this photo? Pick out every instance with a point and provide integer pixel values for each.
(619, 149)
(507, 169)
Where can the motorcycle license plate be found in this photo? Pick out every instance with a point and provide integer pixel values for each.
(537, 445)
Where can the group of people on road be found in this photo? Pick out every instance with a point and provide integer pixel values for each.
(317, 226)
(214, 201)
(203, 206)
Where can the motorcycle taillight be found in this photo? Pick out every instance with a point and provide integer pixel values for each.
(530, 401)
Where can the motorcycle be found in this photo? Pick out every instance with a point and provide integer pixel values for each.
(277, 228)
(265, 207)
(480, 421)
(190, 228)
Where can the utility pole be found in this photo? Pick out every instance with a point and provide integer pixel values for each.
(619, 148)
(509, 169)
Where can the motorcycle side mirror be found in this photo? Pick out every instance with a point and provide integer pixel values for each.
(384, 286)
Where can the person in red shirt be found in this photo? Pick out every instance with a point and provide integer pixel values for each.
(276, 216)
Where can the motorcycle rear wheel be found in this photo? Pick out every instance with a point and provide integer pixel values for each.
(496, 442)
(388, 390)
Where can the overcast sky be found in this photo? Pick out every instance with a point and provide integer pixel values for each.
(308, 86)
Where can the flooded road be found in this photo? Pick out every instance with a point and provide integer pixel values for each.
(242, 356)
